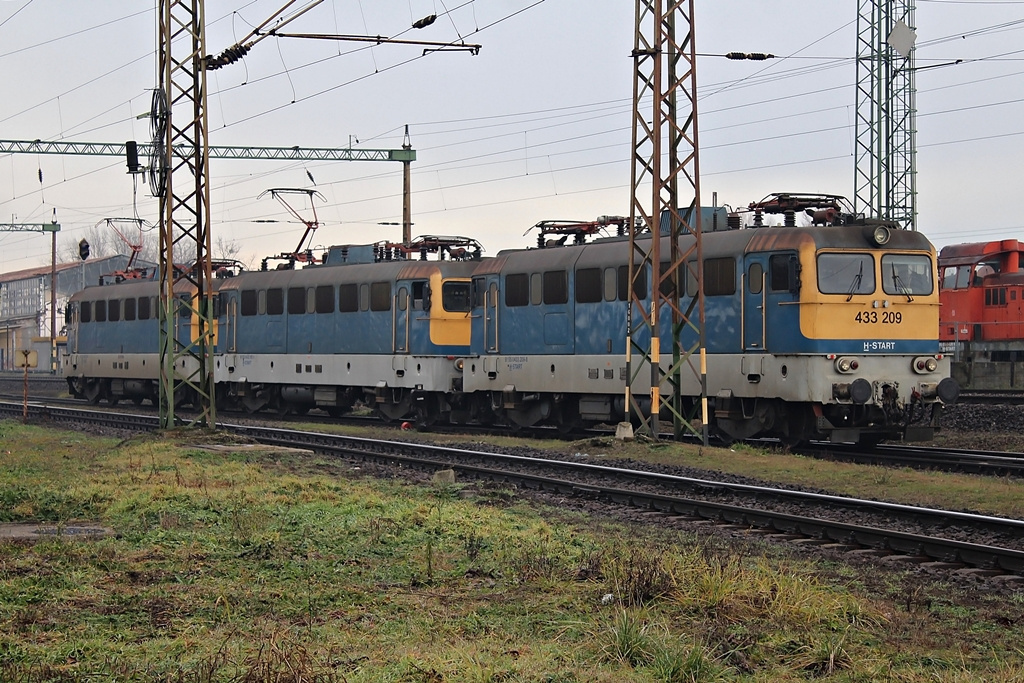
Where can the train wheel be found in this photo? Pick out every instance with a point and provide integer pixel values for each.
(422, 422)
(566, 423)
(137, 400)
(92, 393)
(568, 417)
(425, 414)
(792, 442)
(725, 439)
(870, 440)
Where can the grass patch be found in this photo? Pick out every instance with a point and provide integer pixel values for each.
(241, 567)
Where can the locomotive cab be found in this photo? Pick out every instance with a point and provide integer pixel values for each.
(981, 317)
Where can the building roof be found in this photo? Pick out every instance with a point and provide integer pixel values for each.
(41, 271)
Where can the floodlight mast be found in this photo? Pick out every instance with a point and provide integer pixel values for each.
(885, 173)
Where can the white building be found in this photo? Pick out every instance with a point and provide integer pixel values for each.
(25, 305)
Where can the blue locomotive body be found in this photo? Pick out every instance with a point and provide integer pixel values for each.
(385, 333)
(824, 332)
(811, 332)
(114, 340)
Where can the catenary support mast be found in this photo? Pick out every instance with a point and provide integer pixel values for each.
(406, 155)
(179, 176)
(665, 77)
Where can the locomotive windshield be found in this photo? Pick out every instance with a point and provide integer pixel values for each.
(846, 273)
(907, 274)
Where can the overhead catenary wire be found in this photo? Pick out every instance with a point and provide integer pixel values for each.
(555, 155)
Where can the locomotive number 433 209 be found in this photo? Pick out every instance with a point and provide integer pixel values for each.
(885, 317)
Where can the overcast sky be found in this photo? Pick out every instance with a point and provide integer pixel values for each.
(535, 127)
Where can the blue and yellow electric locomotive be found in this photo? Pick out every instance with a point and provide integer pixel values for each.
(819, 332)
(114, 340)
(825, 331)
(388, 333)
(369, 325)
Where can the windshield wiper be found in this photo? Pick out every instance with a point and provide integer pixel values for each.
(857, 279)
(898, 282)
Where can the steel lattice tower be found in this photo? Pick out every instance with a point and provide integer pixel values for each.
(666, 78)
(179, 168)
(885, 178)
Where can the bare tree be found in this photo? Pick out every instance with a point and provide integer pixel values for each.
(230, 250)
(104, 241)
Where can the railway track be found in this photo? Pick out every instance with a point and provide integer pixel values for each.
(991, 397)
(939, 538)
(981, 462)
(988, 463)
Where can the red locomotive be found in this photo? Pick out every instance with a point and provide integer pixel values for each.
(980, 321)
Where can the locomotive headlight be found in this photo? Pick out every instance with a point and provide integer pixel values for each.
(877, 235)
(459, 364)
(925, 364)
(846, 364)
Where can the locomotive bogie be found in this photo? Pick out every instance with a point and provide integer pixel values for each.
(751, 394)
(394, 385)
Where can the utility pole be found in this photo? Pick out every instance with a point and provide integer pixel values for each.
(406, 195)
(885, 176)
(53, 228)
(180, 170)
(666, 75)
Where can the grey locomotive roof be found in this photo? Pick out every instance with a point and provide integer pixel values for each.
(717, 244)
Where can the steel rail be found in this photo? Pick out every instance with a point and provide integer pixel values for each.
(992, 463)
(981, 462)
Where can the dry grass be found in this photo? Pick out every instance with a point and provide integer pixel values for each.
(242, 567)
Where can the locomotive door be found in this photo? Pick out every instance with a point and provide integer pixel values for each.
(231, 322)
(401, 331)
(754, 293)
(490, 315)
(71, 324)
